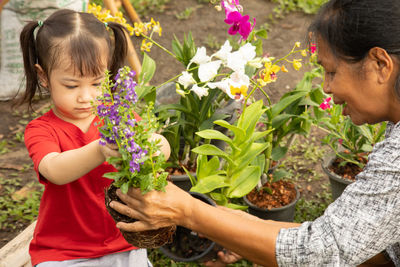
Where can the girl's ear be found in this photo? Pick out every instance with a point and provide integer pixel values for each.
(43, 81)
(383, 64)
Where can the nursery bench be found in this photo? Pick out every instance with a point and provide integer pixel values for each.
(15, 253)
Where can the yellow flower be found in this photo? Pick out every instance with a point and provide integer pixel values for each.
(238, 92)
(284, 69)
(104, 16)
(297, 44)
(139, 28)
(146, 46)
(268, 74)
(297, 64)
(304, 53)
(157, 27)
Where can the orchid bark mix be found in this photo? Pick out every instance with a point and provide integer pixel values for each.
(140, 164)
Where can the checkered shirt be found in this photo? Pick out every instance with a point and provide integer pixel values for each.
(362, 222)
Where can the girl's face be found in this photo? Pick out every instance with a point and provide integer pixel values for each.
(357, 87)
(72, 94)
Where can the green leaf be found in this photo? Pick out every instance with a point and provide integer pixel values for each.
(210, 150)
(244, 181)
(192, 178)
(209, 183)
(114, 175)
(262, 33)
(148, 69)
(213, 134)
(236, 206)
(279, 174)
(285, 102)
(251, 153)
(219, 198)
(206, 167)
(125, 187)
(278, 153)
(239, 133)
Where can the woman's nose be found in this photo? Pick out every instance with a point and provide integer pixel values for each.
(326, 88)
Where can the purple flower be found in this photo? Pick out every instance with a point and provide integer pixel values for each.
(239, 24)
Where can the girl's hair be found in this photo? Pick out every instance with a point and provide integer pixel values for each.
(77, 34)
(352, 27)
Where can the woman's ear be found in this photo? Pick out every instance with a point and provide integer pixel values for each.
(43, 81)
(382, 63)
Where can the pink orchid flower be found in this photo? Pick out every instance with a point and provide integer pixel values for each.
(313, 48)
(325, 104)
(239, 24)
(231, 6)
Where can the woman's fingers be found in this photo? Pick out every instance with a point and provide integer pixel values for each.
(125, 210)
(138, 226)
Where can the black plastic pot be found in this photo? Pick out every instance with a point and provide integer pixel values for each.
(182, 181)
(207, 252)
(284, 214)
(338, 184)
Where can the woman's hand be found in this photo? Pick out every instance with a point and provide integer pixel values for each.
(224, 257)
(154, 209)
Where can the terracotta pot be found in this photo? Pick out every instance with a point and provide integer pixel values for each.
(187, 246)
(145, 239)
(284, 214)
(338, 183)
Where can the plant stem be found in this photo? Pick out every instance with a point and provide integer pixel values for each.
(160, 46)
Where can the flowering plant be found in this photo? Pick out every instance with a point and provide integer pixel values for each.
(240, 171)
(140, 164)
(352, 143)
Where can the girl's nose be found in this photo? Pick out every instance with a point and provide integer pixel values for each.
(85, 95)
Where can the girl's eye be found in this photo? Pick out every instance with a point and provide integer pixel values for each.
(71, 86)
(96, 84)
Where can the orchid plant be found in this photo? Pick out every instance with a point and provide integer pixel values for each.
(140, 164)
(351, 143)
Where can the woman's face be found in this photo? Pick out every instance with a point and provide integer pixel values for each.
(356, 87)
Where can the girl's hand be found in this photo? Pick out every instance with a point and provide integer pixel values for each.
(154, 209)
(163, 144)
(109, 150)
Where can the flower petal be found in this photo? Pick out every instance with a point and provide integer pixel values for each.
(209, 70)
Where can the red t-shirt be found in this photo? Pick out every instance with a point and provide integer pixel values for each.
(73, 221)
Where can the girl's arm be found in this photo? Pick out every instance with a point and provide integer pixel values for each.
(65, 167)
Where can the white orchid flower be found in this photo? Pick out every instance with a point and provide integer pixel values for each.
(223, 52)
(248, 51)
(209, 70)
(199, 91)
(235, 61)
(238, 82)
(238, 59)
(200, 57)
(256, 63)
(186, 79)
(222, 85)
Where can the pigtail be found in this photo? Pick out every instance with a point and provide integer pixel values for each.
(120, 47)
(28, 47)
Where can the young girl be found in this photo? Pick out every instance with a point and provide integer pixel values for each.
(68, 57)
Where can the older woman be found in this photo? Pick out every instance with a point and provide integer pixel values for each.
(358, 45)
